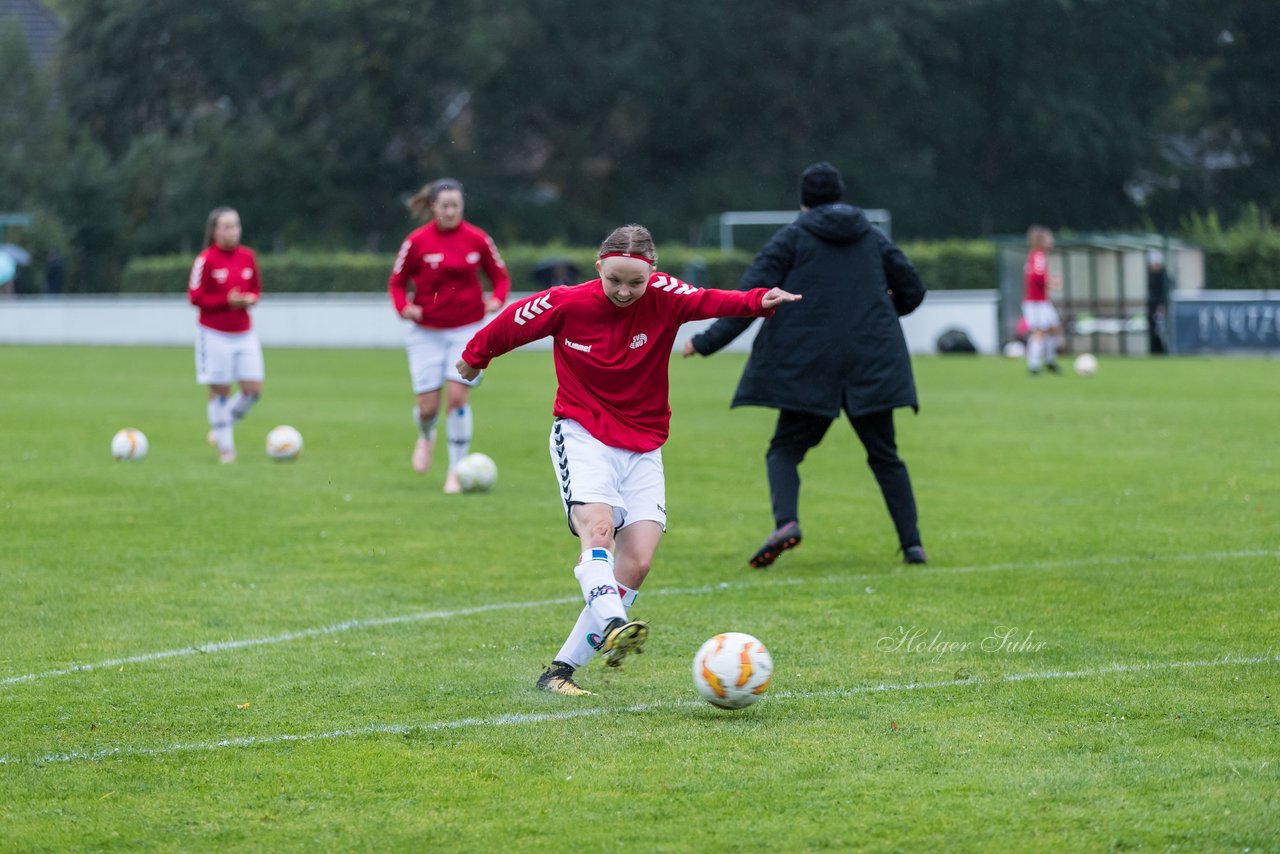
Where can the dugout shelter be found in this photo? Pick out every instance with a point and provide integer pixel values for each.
(1103, 301)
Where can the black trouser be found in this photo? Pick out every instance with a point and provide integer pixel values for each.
(797, 432)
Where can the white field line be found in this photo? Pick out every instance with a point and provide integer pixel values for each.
(515, 719)
(763, 581)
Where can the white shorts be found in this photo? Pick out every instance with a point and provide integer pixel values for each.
(226, 357)
(591, 472)
(434, 355)
(1040, 315)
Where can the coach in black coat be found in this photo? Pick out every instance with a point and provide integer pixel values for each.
(841, 348)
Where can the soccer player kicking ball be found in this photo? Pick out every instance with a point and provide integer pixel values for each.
(613, 339)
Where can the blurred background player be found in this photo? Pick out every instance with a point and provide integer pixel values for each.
(613, 338)
(435, 283)
(224, 285)
(840, 350)
(1043, 326)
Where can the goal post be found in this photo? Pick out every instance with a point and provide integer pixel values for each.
(729, 220)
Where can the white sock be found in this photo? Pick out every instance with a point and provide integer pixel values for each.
(1035, 347)
(241, 404)
(458, 423)
(426, 424)
(220, 424)
(595, 576)
(584, 641)
(1050, 350)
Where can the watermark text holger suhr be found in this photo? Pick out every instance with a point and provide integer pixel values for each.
(1003, 639)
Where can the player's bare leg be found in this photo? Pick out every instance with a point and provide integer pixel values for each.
(425, 415)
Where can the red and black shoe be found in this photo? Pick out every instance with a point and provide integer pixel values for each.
(786, 537)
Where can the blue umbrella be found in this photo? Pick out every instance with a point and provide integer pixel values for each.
(17, 253)
(7, 269)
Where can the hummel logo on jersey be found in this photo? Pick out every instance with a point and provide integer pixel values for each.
(639, 341)
(220, 276)
(574, 345)
(532, 309)
(663, 282)
(433, 258)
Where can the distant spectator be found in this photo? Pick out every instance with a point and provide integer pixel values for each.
(55, 271)
(1157, 293)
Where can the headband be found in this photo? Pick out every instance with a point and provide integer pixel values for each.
(626, 255)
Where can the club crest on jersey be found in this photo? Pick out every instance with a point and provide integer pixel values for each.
(246, 273)
(639, 341)
(532, 309)
(473, 257)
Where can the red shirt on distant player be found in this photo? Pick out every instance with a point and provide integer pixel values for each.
(215, 274)
(441, 269)
(1035, 276)
(611, 361)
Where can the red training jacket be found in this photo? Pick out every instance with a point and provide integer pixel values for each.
(611, 361)
(1035, 277)
(215, 272)
(440, 268)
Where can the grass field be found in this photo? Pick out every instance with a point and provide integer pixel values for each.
(333, 655)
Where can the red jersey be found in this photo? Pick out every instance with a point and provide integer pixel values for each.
(440, 268)
(1035, 277)
(214, 274)
(611, 361)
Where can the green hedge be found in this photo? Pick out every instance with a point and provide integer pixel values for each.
(948, 264)
(354, 272)
(1245, 256)
(954, 265)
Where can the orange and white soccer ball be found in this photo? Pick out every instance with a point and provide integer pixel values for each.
(284, 443)
(129, 444)
(732, 670)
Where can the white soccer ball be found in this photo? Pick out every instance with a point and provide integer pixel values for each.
(284, 443)
(129, 444)
(476, 473)
(1015, 350)
(1086, 365)
(732, 670)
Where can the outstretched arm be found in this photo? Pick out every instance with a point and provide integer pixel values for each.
(769, 267)
(518, 324)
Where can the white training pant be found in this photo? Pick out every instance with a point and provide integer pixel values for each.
(591, 472)
(434, 355)
(1040, 315)
(226, 357)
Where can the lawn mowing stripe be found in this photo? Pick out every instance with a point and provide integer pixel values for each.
(512, 719)
(374, 622)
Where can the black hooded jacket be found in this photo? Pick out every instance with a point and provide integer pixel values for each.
(841, 347)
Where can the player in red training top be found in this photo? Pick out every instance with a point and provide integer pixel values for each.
(224, 285)
(613, 339)
(1043, 326)
(435, 284)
